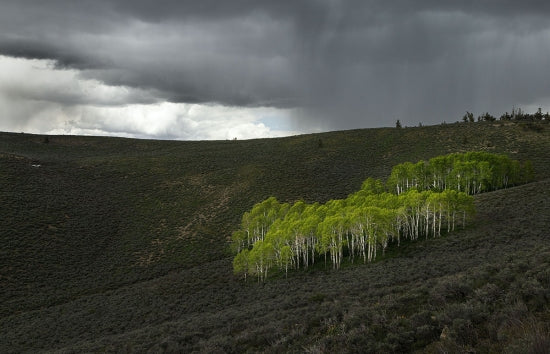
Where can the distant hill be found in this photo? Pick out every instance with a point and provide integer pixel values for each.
(112, 244)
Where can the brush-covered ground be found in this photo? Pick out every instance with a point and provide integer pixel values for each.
(122, 245)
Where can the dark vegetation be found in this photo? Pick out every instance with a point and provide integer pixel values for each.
(120, 245)
(517, 115)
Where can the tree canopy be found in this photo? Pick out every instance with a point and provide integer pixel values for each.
(471, 172)
(418, 200)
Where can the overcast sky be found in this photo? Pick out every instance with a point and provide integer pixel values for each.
(209, 69)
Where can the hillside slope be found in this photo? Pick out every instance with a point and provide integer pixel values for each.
(114, 244)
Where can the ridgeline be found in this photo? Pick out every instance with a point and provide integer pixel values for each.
(112, 244)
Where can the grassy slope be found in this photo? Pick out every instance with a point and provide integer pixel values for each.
(119, 243)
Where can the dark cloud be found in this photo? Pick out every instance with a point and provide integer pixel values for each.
(344, 64)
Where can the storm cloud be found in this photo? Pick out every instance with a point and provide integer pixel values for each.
(322, 64)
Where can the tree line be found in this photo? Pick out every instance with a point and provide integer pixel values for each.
(516, 115)
(418, 200)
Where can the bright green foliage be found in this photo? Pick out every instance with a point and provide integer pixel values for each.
(240, 263)
(260, 259)
(471, 172)
(256, 223)
(427, 197)
(239, 240)
(372, 186)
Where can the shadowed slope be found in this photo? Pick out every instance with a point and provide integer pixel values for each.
(116, 244)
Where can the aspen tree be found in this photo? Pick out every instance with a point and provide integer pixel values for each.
(311, 218)
(276, 236)
(426, 195)
(372, 186)
(241, 263)
(286, 258)
(261, 257)
(238, 241)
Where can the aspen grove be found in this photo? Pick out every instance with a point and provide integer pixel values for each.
(426, 199)
(471, 172)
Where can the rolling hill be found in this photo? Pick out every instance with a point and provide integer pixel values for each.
(122, 245)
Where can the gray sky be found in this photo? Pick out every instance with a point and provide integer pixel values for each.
(208, 69)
